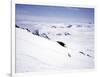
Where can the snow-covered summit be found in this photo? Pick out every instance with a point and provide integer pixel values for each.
(37, 48)
(35, 53)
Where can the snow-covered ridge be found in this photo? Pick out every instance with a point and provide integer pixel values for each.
(50, 30)
(35, 53)
(47, 52)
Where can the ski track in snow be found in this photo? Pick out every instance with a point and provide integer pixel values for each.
(37, 53)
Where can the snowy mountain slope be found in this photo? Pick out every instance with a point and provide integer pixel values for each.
(35, 53)
(47, 52)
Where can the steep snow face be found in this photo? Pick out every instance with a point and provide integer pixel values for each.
(35, 53)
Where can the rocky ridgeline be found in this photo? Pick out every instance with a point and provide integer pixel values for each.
(45, 35)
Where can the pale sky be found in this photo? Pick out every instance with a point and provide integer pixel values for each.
(41, 13)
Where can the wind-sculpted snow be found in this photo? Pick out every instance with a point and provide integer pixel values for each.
(50, 47)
